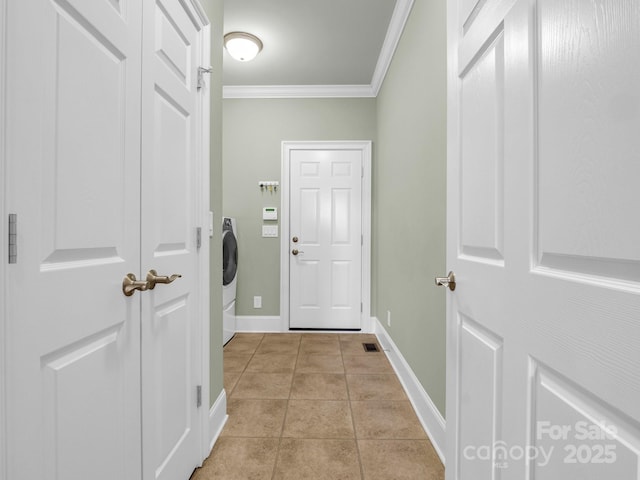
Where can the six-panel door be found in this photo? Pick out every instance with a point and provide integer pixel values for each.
(326, 217)
(543, 328)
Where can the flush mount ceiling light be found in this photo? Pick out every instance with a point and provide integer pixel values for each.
(242, 46)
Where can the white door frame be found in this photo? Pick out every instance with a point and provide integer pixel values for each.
(365, 147)
(203, 205)
(4, 243)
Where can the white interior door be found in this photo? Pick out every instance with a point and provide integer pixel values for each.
(74, 342)
(325, 236)
(171, 213)
(542, 357)
(73, 150)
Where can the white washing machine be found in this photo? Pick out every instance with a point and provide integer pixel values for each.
(229, 277)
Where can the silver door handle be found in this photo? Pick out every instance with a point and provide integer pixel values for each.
(448, 281)
(295, 251)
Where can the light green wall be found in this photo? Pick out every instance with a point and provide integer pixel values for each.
(214, 10)
(407, 123)
(409, 197)
(252, 134)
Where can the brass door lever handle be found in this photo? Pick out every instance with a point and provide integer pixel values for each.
(153, 278)
(130, 285)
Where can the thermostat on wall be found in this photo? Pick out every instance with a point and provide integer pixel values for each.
(270, 213)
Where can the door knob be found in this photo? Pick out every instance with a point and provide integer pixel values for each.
(153, 278)
(294, 239)
(295, 251)
(448, 281)
(130, 285)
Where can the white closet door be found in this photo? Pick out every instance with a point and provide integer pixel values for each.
(171, 188)
(73, 149)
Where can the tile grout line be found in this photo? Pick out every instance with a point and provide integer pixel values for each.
(245, 366)
(353, 420)
(286, 411)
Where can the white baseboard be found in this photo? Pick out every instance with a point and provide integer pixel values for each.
(369, 325)
(275, 324)
(432, 421)
(217, 418)
(262, 324)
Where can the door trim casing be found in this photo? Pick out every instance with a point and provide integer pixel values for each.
(365, 147)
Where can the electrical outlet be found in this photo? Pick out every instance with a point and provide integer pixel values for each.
(388, 318)
(257, 302)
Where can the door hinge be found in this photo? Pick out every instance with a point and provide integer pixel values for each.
(13, 238)
(362, 172)
(361, 240)
(199, 396)
(198, 237)
(361, 307)
(201, 72)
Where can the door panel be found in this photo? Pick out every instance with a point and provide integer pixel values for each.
(600, 445)
(482, 209)
(73, 148)
(309, 215)
(171, 355)
(340, 284)
(170, 313)
(576, 196)
(480, 410)
(84, 63)
(543, 331)
(325, 214)
(341, 220)
(70, 412)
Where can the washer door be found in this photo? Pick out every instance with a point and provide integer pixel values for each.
(229, 257)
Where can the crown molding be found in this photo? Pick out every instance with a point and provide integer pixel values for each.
(394, 32)
(298, 91)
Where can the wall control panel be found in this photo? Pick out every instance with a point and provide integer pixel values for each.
(269, 213)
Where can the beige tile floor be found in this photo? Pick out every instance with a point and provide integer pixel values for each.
(306, 406)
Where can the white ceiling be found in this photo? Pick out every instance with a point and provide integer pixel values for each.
(313, 47)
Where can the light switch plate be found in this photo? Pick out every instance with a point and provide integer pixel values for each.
(270, 231)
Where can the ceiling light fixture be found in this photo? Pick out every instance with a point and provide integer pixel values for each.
(242, 46)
